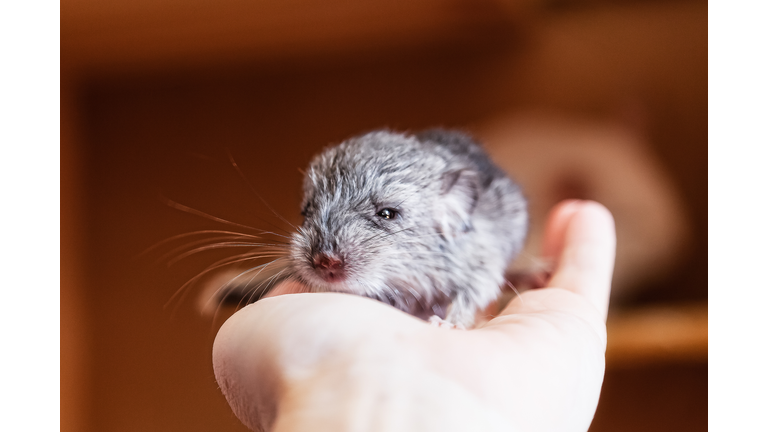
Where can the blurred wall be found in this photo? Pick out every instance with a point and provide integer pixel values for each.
(155, 93)
(75, 379)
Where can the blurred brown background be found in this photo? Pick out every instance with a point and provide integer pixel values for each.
(154, 93)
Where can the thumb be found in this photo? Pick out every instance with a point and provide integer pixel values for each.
(587, 248)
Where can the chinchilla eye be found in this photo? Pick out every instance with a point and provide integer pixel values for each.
(387, 213)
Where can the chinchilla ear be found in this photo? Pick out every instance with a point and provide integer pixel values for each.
(459, 195)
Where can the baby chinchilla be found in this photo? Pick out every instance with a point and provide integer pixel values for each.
(425, 223)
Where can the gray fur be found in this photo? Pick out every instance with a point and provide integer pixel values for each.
(461, 221)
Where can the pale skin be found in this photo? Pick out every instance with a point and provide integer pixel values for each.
(336, 362)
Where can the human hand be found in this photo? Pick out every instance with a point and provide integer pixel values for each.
(336, 362)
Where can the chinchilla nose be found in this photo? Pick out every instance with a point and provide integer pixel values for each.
(328, 262)
(329, 267)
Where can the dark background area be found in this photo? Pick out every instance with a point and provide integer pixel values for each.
(154, 96)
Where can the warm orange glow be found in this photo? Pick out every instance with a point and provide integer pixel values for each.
(156, 92)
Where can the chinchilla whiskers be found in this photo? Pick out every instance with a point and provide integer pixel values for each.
(228, 286)
(268, 244)
(415, 239)
(435, 266)
(190, 210)
(287, 233)
(265, 247)
(386, 235)
(268, 285)
(217, 265)
(250, 186)
(217, 240)
(382, 235)
(509, 284)
(222, 234)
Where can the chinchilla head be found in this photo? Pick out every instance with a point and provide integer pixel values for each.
(384, 216)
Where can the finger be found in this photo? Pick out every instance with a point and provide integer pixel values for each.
(554, 231)
(585, 262)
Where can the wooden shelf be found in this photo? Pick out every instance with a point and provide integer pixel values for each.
(658, 334)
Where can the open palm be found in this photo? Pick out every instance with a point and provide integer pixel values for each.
(337, 362)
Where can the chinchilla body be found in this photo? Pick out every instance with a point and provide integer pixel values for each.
(425, 223)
